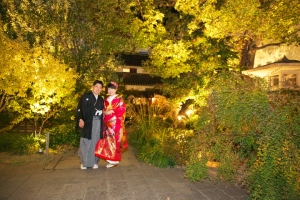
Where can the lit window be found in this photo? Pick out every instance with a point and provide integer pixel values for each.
(290, 79)
(274, 80)
(133, 70)
(126, 70)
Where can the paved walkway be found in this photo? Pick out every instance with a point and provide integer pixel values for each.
(63, 179)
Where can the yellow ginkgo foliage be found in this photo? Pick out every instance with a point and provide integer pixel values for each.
(52, 89)
(38, 84)
(16, 74)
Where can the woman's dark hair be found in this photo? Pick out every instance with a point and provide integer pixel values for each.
(111, 86)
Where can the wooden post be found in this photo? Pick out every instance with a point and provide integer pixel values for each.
(25, 130)
(47, 143)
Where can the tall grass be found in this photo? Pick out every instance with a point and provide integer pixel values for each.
(18, 143)
(24, 145)
(151, 120)
(152, 124)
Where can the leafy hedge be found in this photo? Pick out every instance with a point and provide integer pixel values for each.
(6, 140)
(19, 143)
(63, 135)
(244, 122)
(156, 143)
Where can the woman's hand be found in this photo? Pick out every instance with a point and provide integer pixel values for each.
(109, 112)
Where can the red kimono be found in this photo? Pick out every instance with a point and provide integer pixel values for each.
(108, 148)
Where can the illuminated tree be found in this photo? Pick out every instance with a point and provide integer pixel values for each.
(36, 83)
(52, 91)
(16, 71)
(246, 22)
(85, 34)
(185, 36)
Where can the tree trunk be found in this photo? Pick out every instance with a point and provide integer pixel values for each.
(35, 125)
(212, 108)
(249, 50)
(41, 128)
(3, 103)
(248, 54)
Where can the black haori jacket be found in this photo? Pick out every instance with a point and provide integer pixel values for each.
(86, 109)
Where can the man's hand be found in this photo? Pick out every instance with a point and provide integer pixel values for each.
(81, 123)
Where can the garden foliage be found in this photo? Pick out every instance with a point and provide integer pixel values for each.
(19, 143)
(63, 135)
(27, 144)
(156, 142)
(6, 140)
(23, 144)
(245, 122)
(244, 125)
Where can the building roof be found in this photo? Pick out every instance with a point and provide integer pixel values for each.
(283, 60)
(149, 93)
(273, 68)
(138, 79)
(134, 60)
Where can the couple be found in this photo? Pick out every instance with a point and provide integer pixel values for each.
(102, 123)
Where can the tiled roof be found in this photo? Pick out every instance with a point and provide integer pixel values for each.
(139, 79)
(286, 60)
(147, 94)
(134, 60)
(283, 60)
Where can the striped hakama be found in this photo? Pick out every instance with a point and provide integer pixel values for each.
(86, 151)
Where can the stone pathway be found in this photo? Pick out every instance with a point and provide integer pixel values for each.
(63, 179)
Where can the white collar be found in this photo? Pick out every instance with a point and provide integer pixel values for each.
(95, 95)
(110, 98)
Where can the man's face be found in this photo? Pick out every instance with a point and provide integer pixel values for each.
(97, 89)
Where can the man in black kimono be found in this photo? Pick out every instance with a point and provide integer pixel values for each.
(90, 119)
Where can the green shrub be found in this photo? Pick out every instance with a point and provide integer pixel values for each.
(170, 148)
(147, 138)
(177, 145)
(196, 170)
(152, 153)
(245, 122)
(27, 144)
(19, 143)
(7, 139)
(152, 135)
(63, 135)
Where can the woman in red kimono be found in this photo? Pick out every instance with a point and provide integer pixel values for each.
(114, 137)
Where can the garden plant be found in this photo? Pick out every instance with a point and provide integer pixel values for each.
(52, 51)
(244, 125)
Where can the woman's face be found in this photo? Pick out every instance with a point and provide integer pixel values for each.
(111, 91)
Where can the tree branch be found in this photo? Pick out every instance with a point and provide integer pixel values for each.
(254, 47)
(1, 103)
(29, 120)
(166, 3)
(2, 99)
(141, 9)
(49, 116)
(118, 12)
